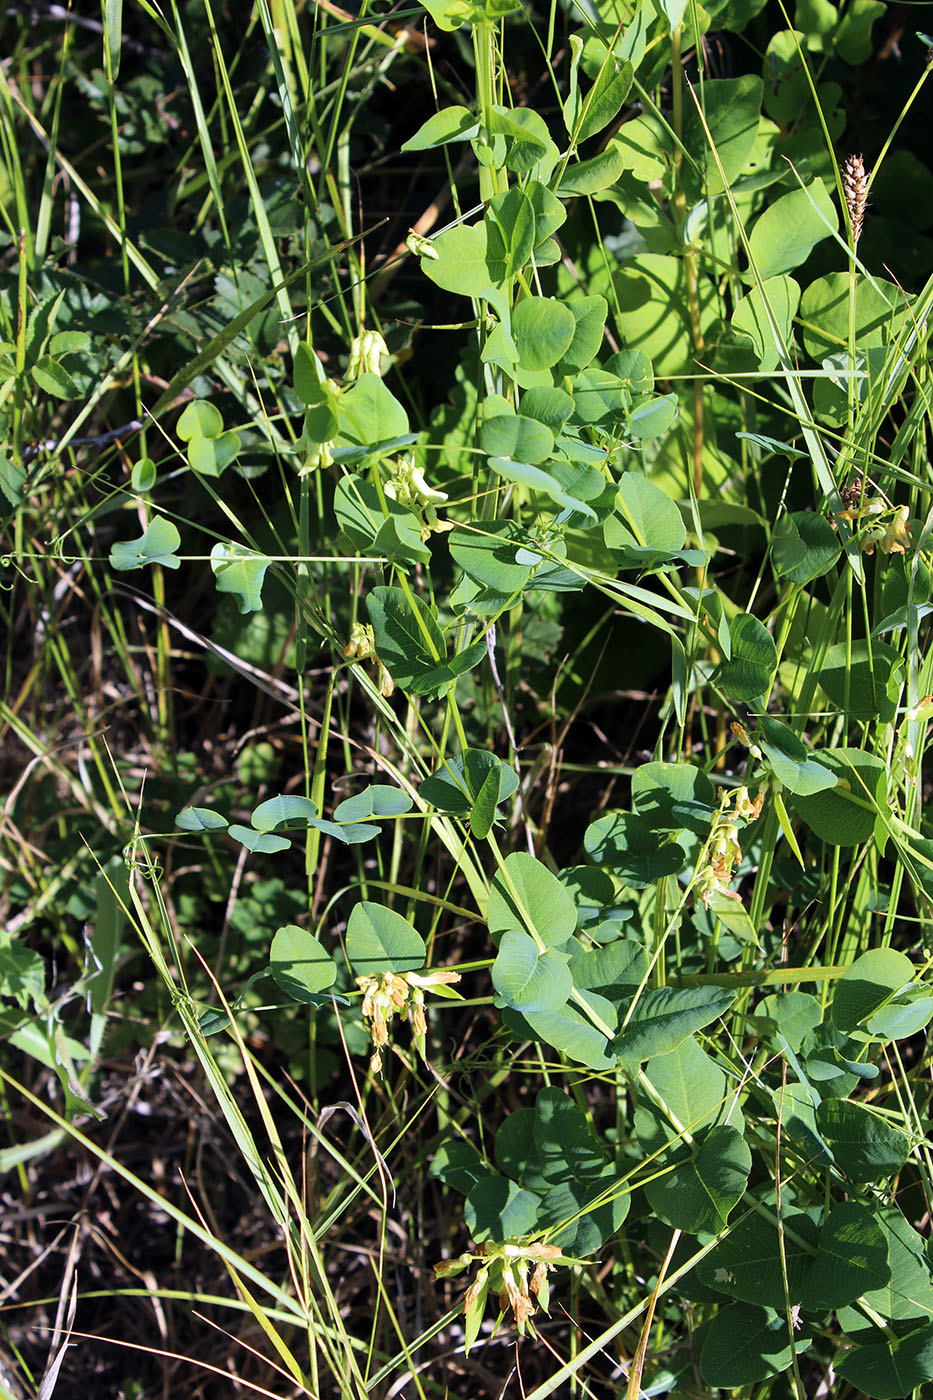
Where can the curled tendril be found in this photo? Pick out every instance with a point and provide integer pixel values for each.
(144, 864)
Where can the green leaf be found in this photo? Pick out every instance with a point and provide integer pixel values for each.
(241, 572)
(458, 786)
(804, 546)
(449, 124)
(890, 1369)
(300, 965)
(865, 987)
(616, 968)
(603, 102)
(732, 107)
(458, 1164)
(878, 316)
(748, 674)
(693, 1090)
(590, 315)
(260, 842)
(363, 516)
(654, 301)
(377, 800)
(790, 762)
(654, 418)
(156, 545)
(909, 1290)
(200, 819)
(674, 797)
(567, 1031)
(845, 815)
(863, 679)
(664, 1017)
(53, 378)
(527, 137)
(747, 1263)
(309, 379)
(200, 419)
(780, 296)
(527, 978)
(379, 940)
(853, 39)
(212, 456)
(744, 1344)
(632, 848)
(511, 235)
(703, 1187)
(653, 527)
(461, 265)
(852, 1258)
(514, 435)
(283, 811)
(525, 896)
(587, 177)
(496, 1209)
(369, 414)
(566, 1148)
(409, 642)
(12, 480)
(789, 229)
(543, 331)
(143, 475)
(864, 1145)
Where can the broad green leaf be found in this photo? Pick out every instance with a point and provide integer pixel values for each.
(260, 842)
(852, 1258)
(664, 1017)
(909, 1289)
(865, 1147)
(449, 124)
(590, 314)
(613, 969)
(780, 296)
(456, 786)
(156, 545)
(632, 848)
(853, 38)
(200, 419)
(804, 546)
(353, 834)
(377, 800)
(490, 557)
(705, 1185)
(543, 331)
(513, 1149)
(143, 475)
(212, 456)
(791, 763)
(200, 819)
(240, 572)
(654, 418)
(524, 474)
(496, 1209)
(845, 815)
(747, 1263)
(748, 674)
(732, 108)
(863, 678)
(879, 314)
(511, 232)
(783, 237)
(566, 1147)
(12, 481)
(890, 1369)
(461, 265)
(379, 940)
(517, 436)
(694, 1092)
(674, 797)
(654, 302)
(308, 373)
(646, 527)
(744, 1344)
(527, 978)
(788, 1018)
(587, 1227)
(374, 525)
(283, 811)
(527, 139)
(458, 1164)
(566, 1030)
(524, 895)
(795, 1104)
(409, 642)
(587, 177)
(901, 1019)
(871, 981)
(603, 102)
(300, 965)
(369, 414)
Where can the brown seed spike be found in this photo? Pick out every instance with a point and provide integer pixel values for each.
(855, 187)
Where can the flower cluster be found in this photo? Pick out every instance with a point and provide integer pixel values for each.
(724, 852)
(881, 524)
(401, 994)
(407, 485)
(362, 647)
(503, 1271)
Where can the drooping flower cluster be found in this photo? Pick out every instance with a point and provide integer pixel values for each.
(399, 994)
(362, 647)
(724, 852)
(503, 1271)
(879, 522)
(408, 486)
